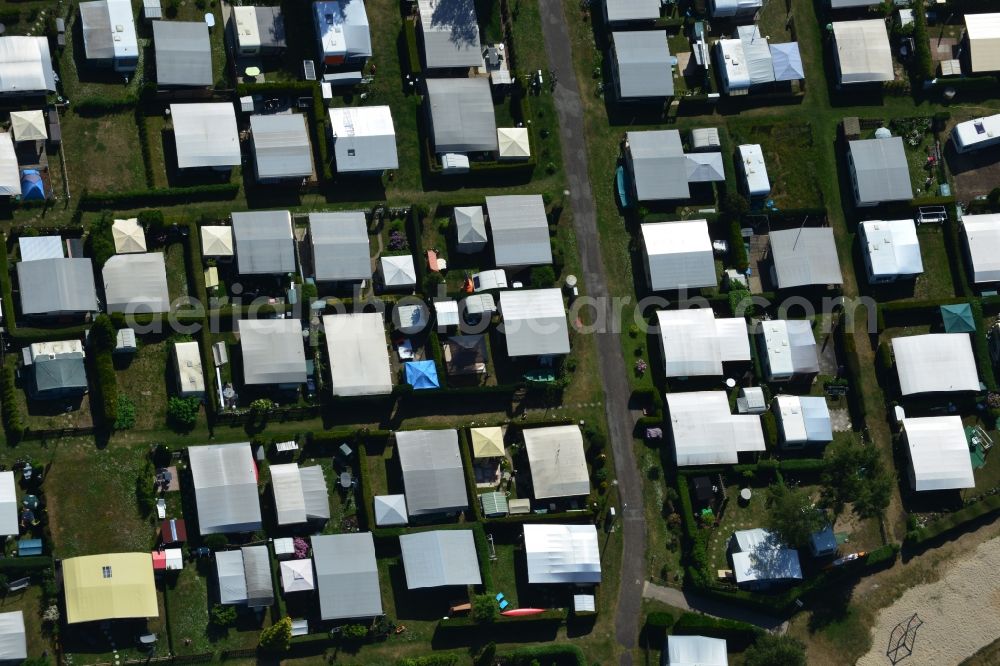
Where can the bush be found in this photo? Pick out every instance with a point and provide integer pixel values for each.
(772, 650)
(484, 608)
(124, 413)
(152, 221)
(737, 250)
(222, 616)
(182, 413)
(158, 196)
(542, 276)
(13, 419)
(215, 541)
(145, 494)
(430, 660)
(106, 385)
(739, 633)
(354, 632)
(277, 637)
(100, 243)
(770, 425)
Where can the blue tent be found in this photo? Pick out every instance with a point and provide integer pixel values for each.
(957, 318)
(422, 375)
(32, 186)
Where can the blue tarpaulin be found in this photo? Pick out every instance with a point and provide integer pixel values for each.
(32, 186)
(422, 375)
(26, 547)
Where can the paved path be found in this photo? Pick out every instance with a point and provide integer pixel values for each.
(691, 601)
(609, 350)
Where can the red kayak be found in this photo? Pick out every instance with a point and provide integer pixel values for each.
(517, 612)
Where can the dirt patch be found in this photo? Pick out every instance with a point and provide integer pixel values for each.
(975, 173)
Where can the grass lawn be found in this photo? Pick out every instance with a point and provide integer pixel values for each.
(663, 546)
(736, 517)
(788, 148)
(155, 126)
(145, 378)
(935, 282)
(81, 81)
(30, 603)
(102, 154)
(174, 256)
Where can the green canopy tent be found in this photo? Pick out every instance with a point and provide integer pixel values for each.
(958, 318)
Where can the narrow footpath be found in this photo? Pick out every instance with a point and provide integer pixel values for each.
(609, 349)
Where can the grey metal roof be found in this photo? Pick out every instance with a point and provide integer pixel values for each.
(632, 10)
(882, 170)
(659, 168)
(136, 283)
(315, 493)
(270, 27)
(461, 115)
(439, 558)
(57, 285)
(470, 228)
(347, 576)
(841, 4)
(520, 230)
(13, 643)
(364, 139)
(225, 488)
(390, 510)
(231, 576)
(183, 53)
(272, 351)
(257, 568)
(806, 256)
(95, 22)
(450, 33)
(432, 471)
(265, 244)
(340, 246)
(25, 64)
(61, 374)
(281, 146)
(642, 60)
(343, 28)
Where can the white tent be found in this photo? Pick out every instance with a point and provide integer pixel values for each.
(340, 246)
(433, 478)
(562, 554)
(300, 493)
(10, 177)
(696, 651)
(232, 577)
(297, 576)
(13, 644)
(982, 243)
(25, 65)
(225, 487)
(347, 576)
(939, 453)
(206, 135)
(217, 241)
(789, 349)
(891, 249)
(129, 237)
(398, 271)
(28, 125)
(190, 372)
(470, 229)
(984, 41)
(678, 255)
(273, 351)
(8, 505)
(863, 51)
(520, 230)
(534, 322)
(357, 354)
(936, 362)
(513, 142)
(136, 283)
(706, 432)
(557, 461)
(803, 419)
(390, 510)
(440, 558)
(696, 344)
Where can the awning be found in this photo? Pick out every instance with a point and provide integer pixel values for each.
(28, 125)
(487, 442)
(297, 576)
(957, 318)
(128, 236)
(422, 375)
(217, 241)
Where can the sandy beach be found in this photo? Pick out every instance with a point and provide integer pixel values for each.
(960, 613)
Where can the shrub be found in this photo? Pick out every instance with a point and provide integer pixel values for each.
(152, 221)
(542, 276)
(182, 413)
(772, 650)
(103, 334)
(215, 541)
(430, 660)
(145, 494)
(107, 387)
(770, 425)
(277, 637)
(13, 419)
(484, 608)
(100, 242)
(354, 632)
(222, 616)
(124, 413)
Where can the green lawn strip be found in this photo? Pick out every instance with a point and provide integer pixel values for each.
(102, 153)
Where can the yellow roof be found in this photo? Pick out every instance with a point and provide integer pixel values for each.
(28, 125)
(107, 587)
(129, 236)
(487, 442)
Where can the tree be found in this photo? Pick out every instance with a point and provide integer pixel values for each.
(354, 632)
(182, 413)
(543, 276)
(770, 650)
(222, 616)
(103, 334)
(855, 474)
(484, 608)
(792, 514)
(277, 637)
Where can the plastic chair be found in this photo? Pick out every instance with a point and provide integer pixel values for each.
(499, 596)
(504, 604)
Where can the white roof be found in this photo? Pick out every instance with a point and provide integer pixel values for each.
(491, 279)
(534, 322)
(632, 10)
(450, 32)
(10, 176)
(982, 240)
(804, 419)
(679, 255)
(696, 651)
(470, 228)
(34, 248)
(562, 554)
(232, 576)
(643, 64)
(705, 432)
(705, 137)
(984, 41)
(735, 73)
(520, 230)
(657, 165)
(775, 564)
(225, 486)
(939, 453)
(696, 344)
(246, 29)
(347, 574)
(805, 256)
(446, 312)
(357, 354)
(297, 575)
(863, 51)
(272, 351)
(340, 246)
(410, 318)
(342, 26)
(25, 65)
(136, 283)
(390, 510)
(13, 643)
(754, 170)
(398, 271)
(757, 52)
(205, 135)
(281, 147)
(513, 142)
(440, 558)
(935, 362)
(129, 237)
(364, 138)
(557, 461)
(985, 130)
(190, 374)
(734, 7)
(892, 247)
(265, 242)
(217, 241)
(433, 479)
(28, 125)
(109, 29)
(300, 493)
(790, 346)
(8, 505)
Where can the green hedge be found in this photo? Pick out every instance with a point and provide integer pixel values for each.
(953, 521)
(909, 313)
(738, 634)
(737, 248)
(412, 51)
(102, 106)
(463, 625)
(158, 196)
(565, 654)
(147, 158)
(429, 660)
(924, 66)
(106, 386)
(16, 565)
(13, 419)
